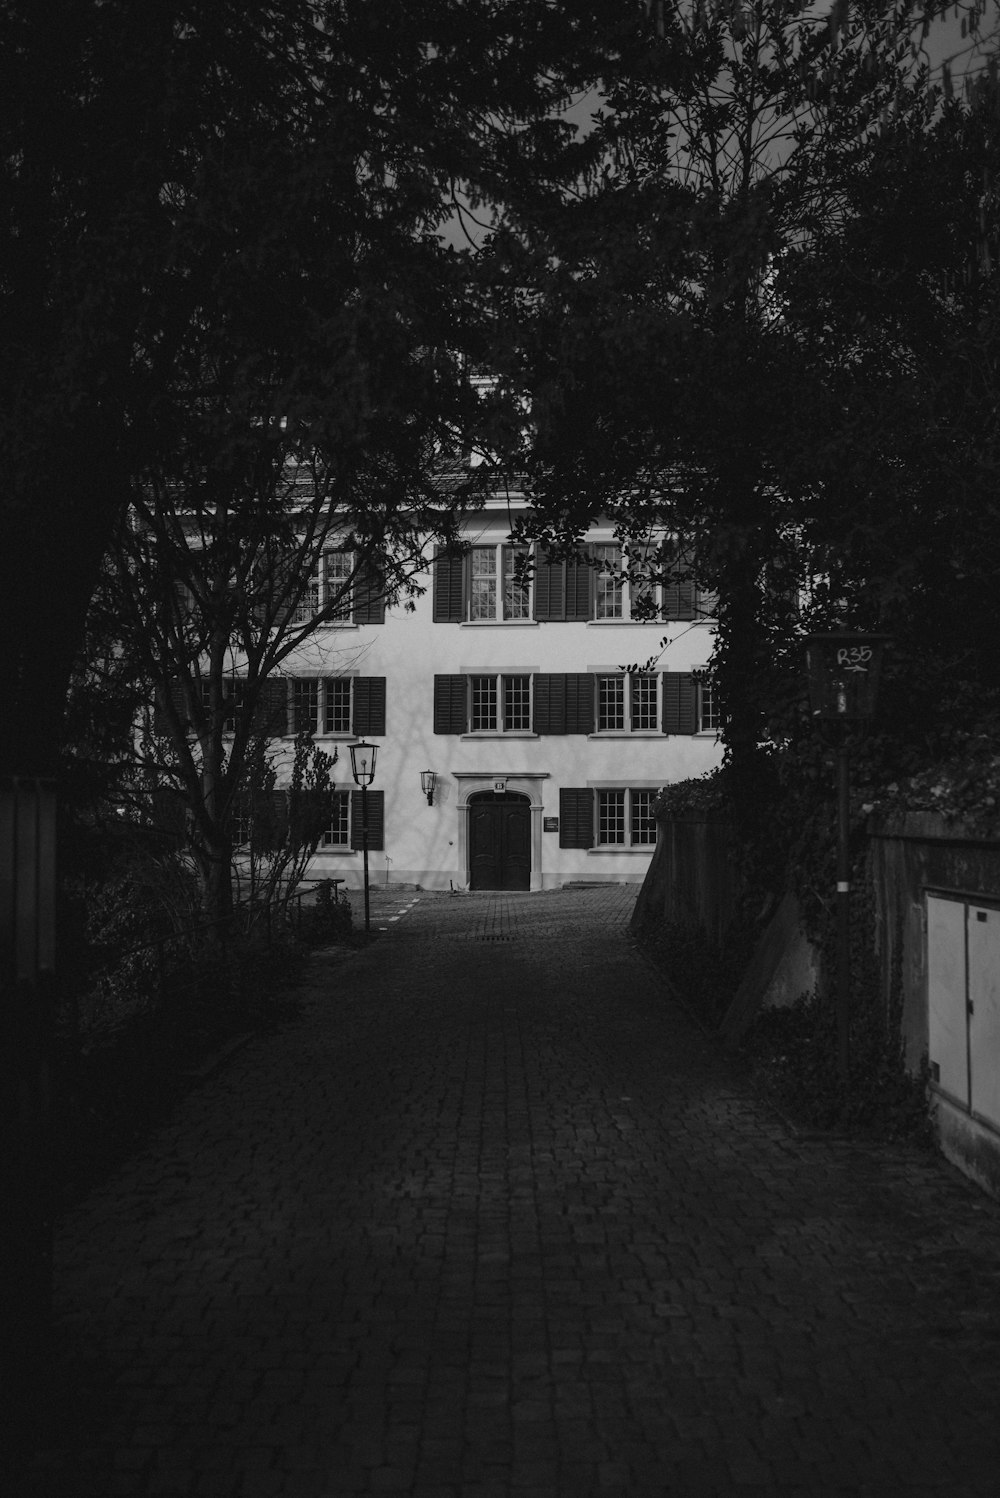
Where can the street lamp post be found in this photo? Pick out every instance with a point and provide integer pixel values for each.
(843, 671)
(363, 769)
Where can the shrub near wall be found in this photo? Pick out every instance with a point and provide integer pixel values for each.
(693, 915)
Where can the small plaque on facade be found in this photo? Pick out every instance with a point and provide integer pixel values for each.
(499, 787)
(550, 824)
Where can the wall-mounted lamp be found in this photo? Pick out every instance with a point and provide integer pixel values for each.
(427, 779)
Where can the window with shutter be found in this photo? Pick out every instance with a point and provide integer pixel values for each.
(338, 833)
(271, 714)
(625, 818)
(451, 704)
(369, 705)
(376, 820)
(550, 587)
(563, 589)
(679, 709)
(369, 596)
(580, 702)
(449, 587)
(338, 589)
(550, 703)
(576, 817)
(680, 600)
(564, 702)
(580, 587)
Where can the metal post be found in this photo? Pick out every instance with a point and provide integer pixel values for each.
(364, 849)
(843, 910)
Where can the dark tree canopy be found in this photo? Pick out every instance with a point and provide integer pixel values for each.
(206, 196)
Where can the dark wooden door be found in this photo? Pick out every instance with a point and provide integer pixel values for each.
(499, 842)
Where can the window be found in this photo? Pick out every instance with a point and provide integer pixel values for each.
(235, 690)
(625, 819)
(516, 703)
(338, 834)
(610, 592)
(488, 584)
(709, 714)
(516, 587)
(627, 703)
(488, 567)
(483, 590)
(346, 592)
(610, 703)
(241, 824)
(339, 705)
(642, 822)
(482, 704)
(612, 817)
(305, 705)
(337, 574)
(346, 832)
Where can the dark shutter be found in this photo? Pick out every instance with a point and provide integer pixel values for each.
(576, 817)
(175, 694)
(550, 587)
(580, 703)
(300, 717)
(376, 820)
(271, 713)
(369, 600)
(279, 816)
(679, 600)
(680, 595)
(280, 584)
(679, 702)
(549, 704)
(449, 587)
(579, 588)
(564, 703)
(451, 712)
(369, 705)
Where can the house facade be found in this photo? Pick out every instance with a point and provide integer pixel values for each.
(512, 687)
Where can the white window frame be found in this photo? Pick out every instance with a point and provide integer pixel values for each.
(323, 685)
(236, 687)
(328, 578)
(627, 680)
(708, 714)
(628, 590)
(628, 841)
(504, 586)
(342, 821)
(499, 679)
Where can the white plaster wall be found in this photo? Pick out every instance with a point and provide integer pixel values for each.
(426, 845)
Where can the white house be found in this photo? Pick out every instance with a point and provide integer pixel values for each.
(515, 695)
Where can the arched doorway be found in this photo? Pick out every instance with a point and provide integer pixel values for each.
(499, 841)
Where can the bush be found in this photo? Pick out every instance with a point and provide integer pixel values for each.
(792, 1055)
(329, 919)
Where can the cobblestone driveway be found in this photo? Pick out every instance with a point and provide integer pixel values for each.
(494, 1218)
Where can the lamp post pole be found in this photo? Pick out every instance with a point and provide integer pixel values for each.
(364, 850)
(363, 758)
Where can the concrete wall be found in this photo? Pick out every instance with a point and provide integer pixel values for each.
(691, 879)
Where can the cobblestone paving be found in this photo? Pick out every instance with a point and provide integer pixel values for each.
(493, 1217)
